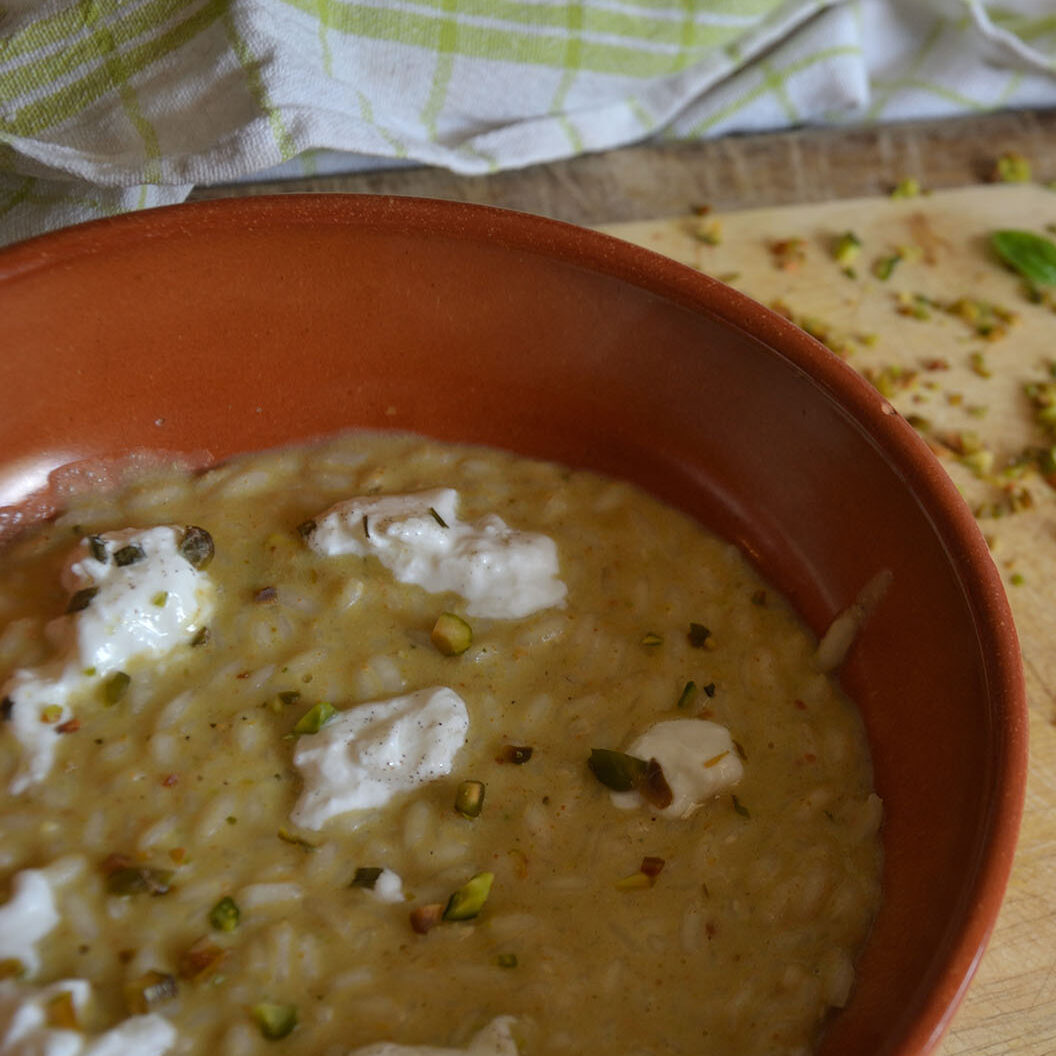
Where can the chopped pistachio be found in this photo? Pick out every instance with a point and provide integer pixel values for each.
(451, 635)
(196, 545)
(883, 267)
(97, 548)
(688, 695)
(1012, 167)
(846, 248)
(651, 640)
(315, 718)
(139, 880)
(977, 361)
(469, 798)
(129, 555)
(225, 915)
(616, 770)
(634, 882)
(739, 807)
(366, 876)
(708, 230)
(506, 960)
(907, 187)
(436, 517)
(81, 599)
(275, 1020)
(12, 968)
(469, 899)
(159, 599)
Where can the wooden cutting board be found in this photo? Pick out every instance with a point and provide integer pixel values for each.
(815, 185)
(936, 366)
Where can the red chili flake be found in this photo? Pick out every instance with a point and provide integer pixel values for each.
(265, 595)
(516, 754)
(799, 704)
(652, 866)
(170, 779)
(654, 788)
(810, 757)
(710, 929)
(69, 726)
(425, 918)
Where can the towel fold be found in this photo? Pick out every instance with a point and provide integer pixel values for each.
(111, 105)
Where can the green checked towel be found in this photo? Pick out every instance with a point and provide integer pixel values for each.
(109, 105)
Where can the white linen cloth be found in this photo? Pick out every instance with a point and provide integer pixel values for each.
(112, 105)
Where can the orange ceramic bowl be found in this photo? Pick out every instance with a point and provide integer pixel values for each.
(233, 325)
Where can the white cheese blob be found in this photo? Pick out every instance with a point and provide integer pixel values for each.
(367, 754)
(24, 1029)
(499, 571)
(26, 917)
(494, 1040)
(698, 759)
(388, 887)
(143, 608)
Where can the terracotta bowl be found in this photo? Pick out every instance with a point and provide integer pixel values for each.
(234, 325)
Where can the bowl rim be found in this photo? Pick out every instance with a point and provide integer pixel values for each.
(666, 278)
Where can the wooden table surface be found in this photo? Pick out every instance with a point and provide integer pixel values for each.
(910, 334)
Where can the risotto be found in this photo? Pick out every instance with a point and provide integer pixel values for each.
(385, 746)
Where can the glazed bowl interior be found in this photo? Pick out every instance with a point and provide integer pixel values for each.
(230, 326)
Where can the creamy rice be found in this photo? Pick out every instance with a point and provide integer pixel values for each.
(740, 943)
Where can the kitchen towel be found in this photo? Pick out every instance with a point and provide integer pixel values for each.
(112, 105)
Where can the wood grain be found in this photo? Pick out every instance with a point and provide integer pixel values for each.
(1010, 1007)
(733, 172)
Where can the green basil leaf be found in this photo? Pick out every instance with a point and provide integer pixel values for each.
(1033, 256)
